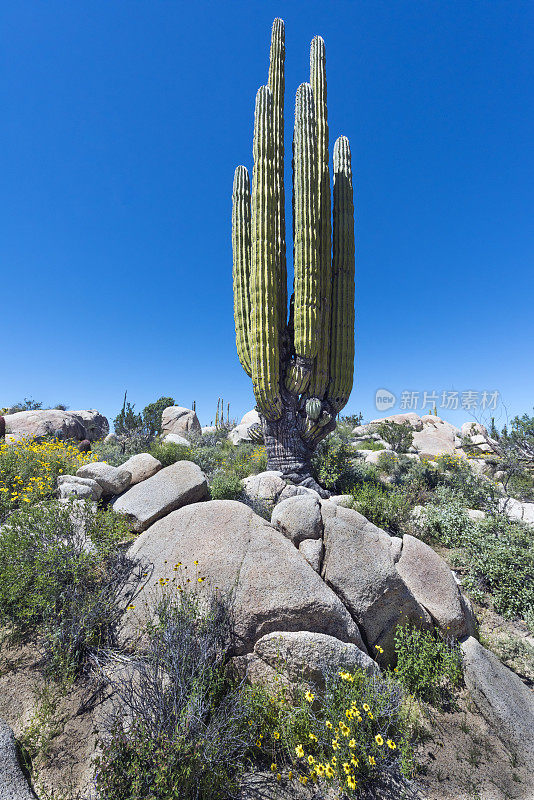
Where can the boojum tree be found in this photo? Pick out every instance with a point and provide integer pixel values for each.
(301, 359)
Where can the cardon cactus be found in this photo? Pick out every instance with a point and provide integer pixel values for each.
(301, 363)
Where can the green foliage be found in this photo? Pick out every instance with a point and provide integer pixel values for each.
(332, 463)
(428, 665)
(170, 452)
(28, 404)
(346, 734)
(497, 554)
(151, 414)
(399, 436)
(192, 727)
(60, 577)
(456, 474)
(127, 421)
(225, 486)
(387, 508)
(500, 557)
(370, 445)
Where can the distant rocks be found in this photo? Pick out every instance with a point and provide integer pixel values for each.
(183, 421)
(77, 425)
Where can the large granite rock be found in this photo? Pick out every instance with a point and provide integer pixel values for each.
(308, 656)
(298, 518)
(141, 467)
(360, 567)
(74, 486)
(182, 421)
(502, 698)
(13, 783)
(432, 584)
(113, 480)
(272, 587)
(77, 425)
(264, 487)
(167, 490)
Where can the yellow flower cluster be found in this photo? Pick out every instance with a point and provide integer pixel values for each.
(29, 469)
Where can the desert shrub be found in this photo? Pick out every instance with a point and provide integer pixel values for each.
(370, 444)
(333, 462)
(387, 508)
(29, 470)
(247, 458)
(191, 727)
(445, 519)
(170, 452)
(60, 578)
(428, 664)
(348, 734)
(500, 561)
(456, 474)
(225, 486)
(496, 553)
(399, 436)
(415, 476)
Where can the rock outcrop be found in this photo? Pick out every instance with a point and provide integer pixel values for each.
(183, 421)
(77, 425)
(169, 489)
(272, 587)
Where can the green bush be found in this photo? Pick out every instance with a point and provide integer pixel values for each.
(332, 464)
(399, 436)
(170, 452)
(456, 474)
(192, 727)
(387, 508)
(225, 486)
(60, 578)
(428, 665)
(500, 560)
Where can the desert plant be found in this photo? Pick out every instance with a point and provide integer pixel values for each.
(29, 470)
(346, 735)
(181, 727)
(429, 665)
(61, 576)
(387, 508)
(225, 486)
(301, 369)
(399, 436)
(151, 414)
(170, 452)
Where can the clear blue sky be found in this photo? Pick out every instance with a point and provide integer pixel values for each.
(122, 124)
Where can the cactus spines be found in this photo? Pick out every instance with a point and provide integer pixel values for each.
(320, 373)
(342, 336)
(313, 408)
(264, 291)
(241, 271)
(276, 84)
(301, 367)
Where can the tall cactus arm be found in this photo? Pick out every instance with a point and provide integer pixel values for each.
(276, 84)
(264, 292)
(342, 336)
(305, 262)
(241, 270)
(320, 372)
